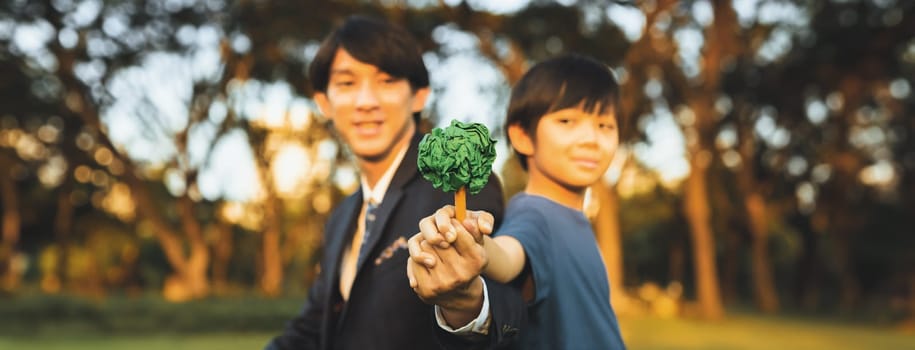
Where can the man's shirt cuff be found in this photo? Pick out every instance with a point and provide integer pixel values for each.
(480, 325)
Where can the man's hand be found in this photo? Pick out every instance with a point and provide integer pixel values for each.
(447, 258)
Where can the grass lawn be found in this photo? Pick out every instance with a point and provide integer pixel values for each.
(759, 332)
(226, 341)
(737, 332)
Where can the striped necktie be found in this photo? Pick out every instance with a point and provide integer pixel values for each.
(369, 220)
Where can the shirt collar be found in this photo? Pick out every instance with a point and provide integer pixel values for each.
(376, 195)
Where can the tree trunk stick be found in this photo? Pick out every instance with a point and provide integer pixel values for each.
(460, 203)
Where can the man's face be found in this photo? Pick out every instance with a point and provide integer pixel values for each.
(371, 110)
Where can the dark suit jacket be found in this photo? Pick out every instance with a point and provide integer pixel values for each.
(383, 312)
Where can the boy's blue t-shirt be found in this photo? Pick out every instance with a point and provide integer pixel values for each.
(571, 308)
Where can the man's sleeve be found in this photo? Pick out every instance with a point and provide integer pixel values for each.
(507, 310)
(478, 325)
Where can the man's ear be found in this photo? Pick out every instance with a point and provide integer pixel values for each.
(323, 104)
(419, 99)
(520, 140)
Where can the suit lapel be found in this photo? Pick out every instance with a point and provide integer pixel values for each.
(341, 234)
(392, 198)
(382, 214)
(405, 172)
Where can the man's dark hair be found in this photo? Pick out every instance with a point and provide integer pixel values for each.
(379, 43)
(566, 81)
(389, 47)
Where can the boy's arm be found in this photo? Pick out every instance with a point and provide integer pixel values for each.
(506, 258)
(504, 254)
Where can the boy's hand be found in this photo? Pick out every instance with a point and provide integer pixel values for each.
(440, 230)
(439, 233)
(454, 269)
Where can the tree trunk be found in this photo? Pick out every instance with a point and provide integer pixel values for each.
(732, 261)
(764, 291)
(721, 43)
(11, 275)
(732, 240)
(848, 282)
(807, 281)
(676, 268)
(908, 186)
(222, 254)
(195, 273)
(840, 199)
(607, 229)
(188, 280)
(909, 322)
(697, 214)
(63, 225)
(272, 277)
(763, 282)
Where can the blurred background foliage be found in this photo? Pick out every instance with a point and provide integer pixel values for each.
(169, 148)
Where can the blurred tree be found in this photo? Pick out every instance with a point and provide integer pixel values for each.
(9, 276)
(609, 237)
(68, 53)
(795, 111)
(828, 113)
(651, 60)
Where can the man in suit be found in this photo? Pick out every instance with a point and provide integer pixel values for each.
(370, 80)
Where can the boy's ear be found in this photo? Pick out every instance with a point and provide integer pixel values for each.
(520, 140)
(419, 99)
(323, 104)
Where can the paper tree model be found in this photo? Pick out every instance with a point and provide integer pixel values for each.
(457, 159)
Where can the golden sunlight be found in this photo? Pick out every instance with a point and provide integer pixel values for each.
(290, 168)
(232, 212)
(119, 202)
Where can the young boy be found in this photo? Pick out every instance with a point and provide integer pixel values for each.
(562, 126)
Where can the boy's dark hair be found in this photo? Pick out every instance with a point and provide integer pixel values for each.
(566, 81)
(389, 47)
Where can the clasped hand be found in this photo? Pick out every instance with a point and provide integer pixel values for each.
(446, 260)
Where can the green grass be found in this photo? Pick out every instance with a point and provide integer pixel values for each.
(245, 322)
(747, 332)
(35, 315)
(226, 341)
(737, 332)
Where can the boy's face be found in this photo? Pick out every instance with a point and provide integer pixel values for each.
(572, 148)
(371, 110)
